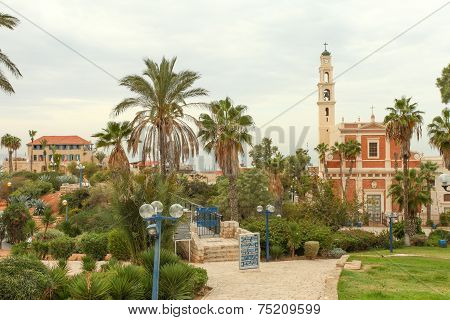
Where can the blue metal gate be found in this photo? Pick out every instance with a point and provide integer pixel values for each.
(208, 222)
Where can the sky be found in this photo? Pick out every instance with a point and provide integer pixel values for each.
(262, 54)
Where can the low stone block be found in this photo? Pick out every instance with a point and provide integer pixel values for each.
(342, 260)
(353, 265)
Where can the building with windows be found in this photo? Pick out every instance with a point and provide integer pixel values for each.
(71, 148)
(369, 177)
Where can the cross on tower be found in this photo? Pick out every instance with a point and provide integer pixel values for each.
(325, 44)
(372, 109)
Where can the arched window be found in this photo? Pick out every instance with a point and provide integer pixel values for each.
(326, 95)
(327, 112)
(326, 77)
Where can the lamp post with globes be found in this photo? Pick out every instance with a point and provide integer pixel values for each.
(81, 168)
(152, 214)
(64, 203)
(269, 209)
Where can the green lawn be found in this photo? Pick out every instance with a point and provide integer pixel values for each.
(384, 277)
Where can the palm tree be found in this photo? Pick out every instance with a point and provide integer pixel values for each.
(428, 171)
(417, 194)
(162, 126)
(47, 219)
(100, 156)
(439, 133)
(402, 122)
(7, 142)
(352, 151)
(224, 132)
(275, 168)
(339, 149)
(16, 144)
(322, 149)
(113, 136)
(9, 22)
(32, 134)
(44, 148)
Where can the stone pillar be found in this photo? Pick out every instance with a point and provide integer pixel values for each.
(228, 229)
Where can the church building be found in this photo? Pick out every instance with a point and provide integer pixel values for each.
(374, 168)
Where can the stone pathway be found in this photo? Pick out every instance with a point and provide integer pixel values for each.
(283, 280)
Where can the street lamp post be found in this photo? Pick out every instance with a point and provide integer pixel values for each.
(152, 214)
(81, 168)
(64, 203)
(269, 209)
(391, 217)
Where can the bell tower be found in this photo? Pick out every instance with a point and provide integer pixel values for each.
(326, 101)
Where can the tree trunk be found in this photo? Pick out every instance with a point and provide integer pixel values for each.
(429, 204)
(409, 227)
(233, 198)
(162, 152)
(325, 167)
(15, 160)
(31, 157)
(10, 161)
(341, 174)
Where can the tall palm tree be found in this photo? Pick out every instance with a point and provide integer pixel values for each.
(322, 149)
(339, 149)
(113, 136)
(275, 168)
(402, 122)
(44, 152)
(9, 22)
(428, 171)
(352, 151)
(417, 194)
(7, 142)
(224, 132)
(162, 126)
(16, 144)
(439, 133)
(32, 134)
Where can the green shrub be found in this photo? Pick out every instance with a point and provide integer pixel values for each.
(383, 241)
(61, 247)
(69, 229)
(94, 244)
(199, 278)
(15, 218)
(33, 189)
(418, 240)
(89, 286)
(40, 248)
(118, 244)
(276, 251)
(311, 249)
(88, 263)
(146, 259)
(20, 249)
(294, 237)
(60, 283)
(355, 240)
(96, 219)
(335, 253)
(23, 278)
(49, 235)
(100, 176)
(127, 283)
(398, 229)
(444, 219)
(175, 282)
(74, 199)
(436, 235)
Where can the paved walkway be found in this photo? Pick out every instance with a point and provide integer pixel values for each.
(283, 280)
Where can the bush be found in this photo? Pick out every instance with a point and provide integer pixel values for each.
(118, 244)
(311, 249)
(69, 229)
(61, 247)
(127, 283)
(20, 249)
(94, 244)
(89, 286)
(398, 229)
(50, 235)
(335, 253)
(176, 282)
(97, 219)
(436, 235)
(88, 263)
(33, 189)
(444, 219)
(418, 240)
(60, 283)
(383, 241)
(74, 199)
(15, 218)
(146, 259)
(294, 237)
(355, 240)
(199, 278)
(276, 251)
(100, 176)
(23, 278)
(40, 248)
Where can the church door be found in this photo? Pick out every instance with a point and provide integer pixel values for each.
(374, 207)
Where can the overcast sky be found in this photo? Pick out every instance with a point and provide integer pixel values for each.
(264, 54)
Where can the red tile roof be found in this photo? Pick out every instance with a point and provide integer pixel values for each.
(60, 140)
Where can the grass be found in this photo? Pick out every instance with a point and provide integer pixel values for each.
(425, 276)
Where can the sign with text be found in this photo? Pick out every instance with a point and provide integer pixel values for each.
(249, 251)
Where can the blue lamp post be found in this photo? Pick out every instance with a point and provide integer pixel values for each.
(81, 168)
(64, 203)
(269, 209)
(391, 217)
(152, 213)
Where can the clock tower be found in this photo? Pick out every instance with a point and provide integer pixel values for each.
(326, 101)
